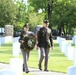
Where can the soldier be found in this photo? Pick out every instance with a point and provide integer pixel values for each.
(25, 53)
(44, 42)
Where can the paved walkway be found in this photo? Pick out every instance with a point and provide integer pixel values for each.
(32, 71)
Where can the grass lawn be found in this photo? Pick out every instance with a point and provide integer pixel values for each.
(6, 52)
(57, 61)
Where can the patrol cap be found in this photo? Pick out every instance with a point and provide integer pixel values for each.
(46, 21)
(26, 25)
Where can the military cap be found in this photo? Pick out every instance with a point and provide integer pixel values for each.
(46, 21)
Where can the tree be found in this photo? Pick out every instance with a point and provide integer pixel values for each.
(8, 12)
(63, 16)
(34, 18)
(61, 13)
(46, 7)
(50, 9)
(21, 15)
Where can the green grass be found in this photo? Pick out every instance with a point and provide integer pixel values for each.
(6, 52)
(57, 61)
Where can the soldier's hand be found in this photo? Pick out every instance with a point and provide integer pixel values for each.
(36, 46)
(22, 41)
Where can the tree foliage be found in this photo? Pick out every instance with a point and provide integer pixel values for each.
(13, 13)
(22, 13)
(8, 12)
(62, 13)
(34, 18)
(21, 16)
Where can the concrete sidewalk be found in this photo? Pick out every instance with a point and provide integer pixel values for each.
(32, 70)
(38, 72)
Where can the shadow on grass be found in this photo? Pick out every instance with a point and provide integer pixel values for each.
(56, 45)
(7, 45)
(72, 44)
(6, 52)
(57, 55)
(6, 48)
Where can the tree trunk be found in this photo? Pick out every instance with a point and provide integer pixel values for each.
(50, 8)
(63, 29)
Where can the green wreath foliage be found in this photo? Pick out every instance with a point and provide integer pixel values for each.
(29, 42)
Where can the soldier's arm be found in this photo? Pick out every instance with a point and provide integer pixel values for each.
(39, 37)
(35, 38)
(21, 36)
(51, 39)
